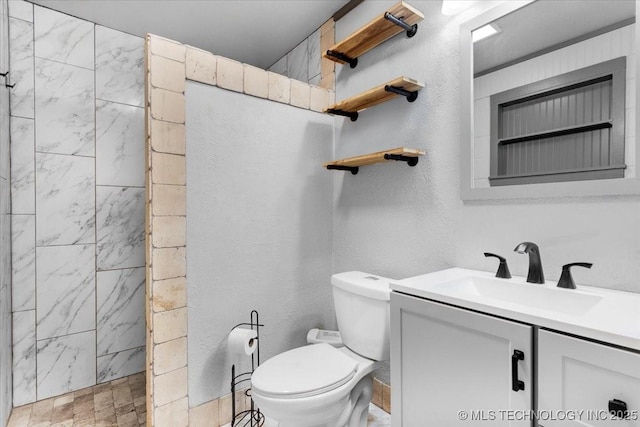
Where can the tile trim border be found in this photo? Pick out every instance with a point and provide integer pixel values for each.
(381, 395)
(168, 65)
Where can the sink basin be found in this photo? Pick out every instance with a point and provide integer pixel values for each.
(567, 301)
(600, 314)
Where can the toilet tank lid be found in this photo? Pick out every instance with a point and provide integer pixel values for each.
(365, 284)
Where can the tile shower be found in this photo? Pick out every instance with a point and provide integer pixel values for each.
(304, 62)
(77, 194)
(5, 223)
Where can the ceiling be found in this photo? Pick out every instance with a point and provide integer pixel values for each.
(257, 32)
(546, 23)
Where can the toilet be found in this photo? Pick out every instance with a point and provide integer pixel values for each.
(323, 385)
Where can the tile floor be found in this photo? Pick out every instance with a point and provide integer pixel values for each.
(119, 403)
(377, 418)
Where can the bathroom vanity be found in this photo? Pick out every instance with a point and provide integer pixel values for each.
(470, 349)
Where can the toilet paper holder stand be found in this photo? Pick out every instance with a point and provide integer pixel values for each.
(250, 416)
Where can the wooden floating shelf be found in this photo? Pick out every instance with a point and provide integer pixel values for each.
(398, 18)
(409, 155)
(400, 86)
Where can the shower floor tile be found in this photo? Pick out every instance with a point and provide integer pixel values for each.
(119, 403)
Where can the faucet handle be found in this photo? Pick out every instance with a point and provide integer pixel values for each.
(566, 280)
(503, 269)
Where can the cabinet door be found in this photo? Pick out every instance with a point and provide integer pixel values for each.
(445, 360)
(576, 375)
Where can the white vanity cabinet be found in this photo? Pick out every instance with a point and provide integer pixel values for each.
(578, 375)
(454, 366)
(445, 360)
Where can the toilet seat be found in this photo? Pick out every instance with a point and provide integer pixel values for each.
(303, 372)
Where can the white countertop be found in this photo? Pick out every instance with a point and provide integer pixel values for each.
(614, 319)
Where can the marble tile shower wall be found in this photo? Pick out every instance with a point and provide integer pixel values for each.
(5, 224)
(302, 62)
(77, 191)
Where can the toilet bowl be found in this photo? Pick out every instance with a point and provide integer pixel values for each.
(320, 385)
(313, 386)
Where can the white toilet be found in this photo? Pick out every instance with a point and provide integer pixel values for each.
(321, 385)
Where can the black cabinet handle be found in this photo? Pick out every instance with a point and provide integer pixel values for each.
(618, 408)
(516, 384)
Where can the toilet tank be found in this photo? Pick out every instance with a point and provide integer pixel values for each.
(361, 301)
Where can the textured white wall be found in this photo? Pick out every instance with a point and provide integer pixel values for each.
(399, 221)
(259, 229)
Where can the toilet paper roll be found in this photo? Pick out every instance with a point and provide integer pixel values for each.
(243, 341)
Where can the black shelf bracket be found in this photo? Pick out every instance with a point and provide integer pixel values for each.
(411, 96)
(352, 115)
(353, 62)
(352, 169)
(411, 29)
(411, 161)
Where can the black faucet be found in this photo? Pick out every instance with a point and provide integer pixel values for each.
(566, 280)
(535, 274)
(503, 268)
